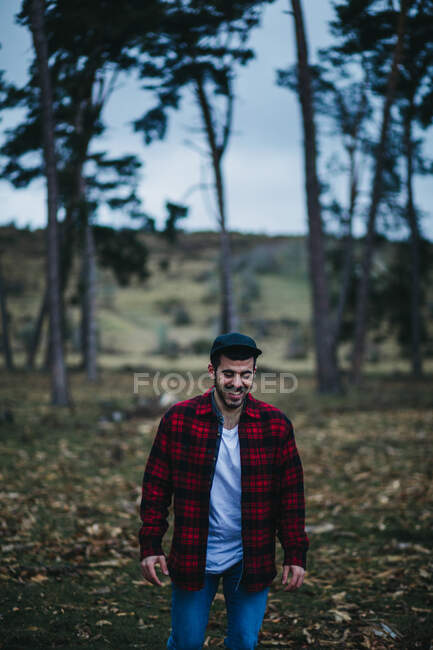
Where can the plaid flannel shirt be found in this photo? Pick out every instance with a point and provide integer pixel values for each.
(182, 463)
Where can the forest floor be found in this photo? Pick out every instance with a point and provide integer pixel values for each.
(69, 517)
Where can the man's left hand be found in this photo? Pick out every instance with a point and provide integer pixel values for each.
(296, 578)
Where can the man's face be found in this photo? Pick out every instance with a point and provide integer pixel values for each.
(233, 380)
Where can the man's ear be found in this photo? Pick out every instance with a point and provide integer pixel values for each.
(211, 370)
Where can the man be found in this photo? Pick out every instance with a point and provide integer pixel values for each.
(231, 463)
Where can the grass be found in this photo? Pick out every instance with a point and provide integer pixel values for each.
(70, 479)
(69, 515)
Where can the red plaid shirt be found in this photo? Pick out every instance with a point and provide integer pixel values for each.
(181, 463)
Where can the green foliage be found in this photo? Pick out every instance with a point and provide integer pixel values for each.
(166, 345)
(122, 251)
(391, 288)
(176, 309)
(205, 41)
(249, 291)
(298, 346)
(175, 212)
(393, 295)
(181, 316)
(201, 346)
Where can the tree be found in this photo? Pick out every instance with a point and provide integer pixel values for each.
(86, 63)
(364, 32)
(364, 283)
(415, 104)
(7, 348)
(59, 385)
(344, 107)
(202, 45)
(327, 369)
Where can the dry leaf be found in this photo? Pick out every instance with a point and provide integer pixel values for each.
(39, 577)
(340, 615)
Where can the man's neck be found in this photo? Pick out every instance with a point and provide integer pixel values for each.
(231, 416)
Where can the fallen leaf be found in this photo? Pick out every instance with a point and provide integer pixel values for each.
(326, 527)
(39, 577)
(340, 615)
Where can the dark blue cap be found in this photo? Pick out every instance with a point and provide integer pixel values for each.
(235, 340)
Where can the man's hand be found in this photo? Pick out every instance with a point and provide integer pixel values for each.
(148, 568)
(296, 579)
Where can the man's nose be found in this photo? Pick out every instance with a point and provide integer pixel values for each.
(237, 381)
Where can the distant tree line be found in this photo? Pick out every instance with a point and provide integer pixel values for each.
(372, 88)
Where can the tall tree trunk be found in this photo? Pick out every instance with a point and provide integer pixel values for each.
(376, 195)
(228, 320)
(37, 331)
(65, 262)
(347, 250)
(59, 384)
(327, 368)
(7, 349)
(88, 328)
(414, 244)
(68, 227)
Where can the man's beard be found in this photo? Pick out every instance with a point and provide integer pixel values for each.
(227, 403)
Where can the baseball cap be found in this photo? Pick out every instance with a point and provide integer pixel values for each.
(234, 340)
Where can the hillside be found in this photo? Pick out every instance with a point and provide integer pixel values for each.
(173, 315)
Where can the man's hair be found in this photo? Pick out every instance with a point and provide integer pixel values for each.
(234, 353)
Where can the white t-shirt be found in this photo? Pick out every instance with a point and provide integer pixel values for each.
(224, 544)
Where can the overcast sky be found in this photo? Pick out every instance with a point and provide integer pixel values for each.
(263, 165)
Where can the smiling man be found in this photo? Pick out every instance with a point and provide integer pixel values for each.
(231, 465)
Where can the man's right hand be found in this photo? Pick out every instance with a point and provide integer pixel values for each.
(148, 568)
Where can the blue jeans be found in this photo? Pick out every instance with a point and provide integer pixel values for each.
(190, 612)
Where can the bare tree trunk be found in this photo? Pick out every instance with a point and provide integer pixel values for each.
(59, 384)
(228, 320)
(364, 282)
(65, 262)
(69, 226)
(37, 332)
(327, 369)
(7, 349)
(348, 251)
(89, 305)
(414, 244)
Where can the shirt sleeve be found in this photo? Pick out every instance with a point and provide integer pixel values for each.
(156, 494)
(291, 513)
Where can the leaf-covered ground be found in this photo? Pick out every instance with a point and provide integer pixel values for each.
(70, 483)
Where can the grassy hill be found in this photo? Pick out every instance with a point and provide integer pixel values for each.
(170, 319)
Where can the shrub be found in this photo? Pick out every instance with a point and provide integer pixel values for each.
(298, 344)
(181, 316)
(200, 346)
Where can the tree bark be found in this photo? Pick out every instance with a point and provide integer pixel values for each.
(326, 360)
(88, 329)
(37, 332)
(66, 259)
(228, 320)
(416, 357)
(364, 282)
(59, 384)
(347, 249)
(7, 349)
(68, 228)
